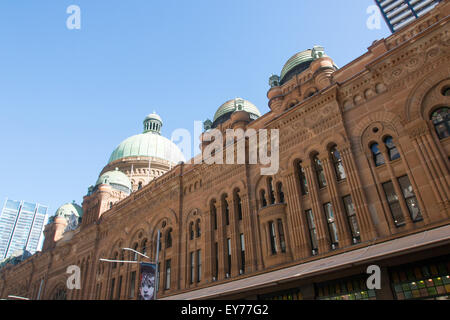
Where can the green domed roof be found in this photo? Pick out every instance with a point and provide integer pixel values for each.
(115, 178)
(235, 105)
(148, 145)
(68, 209)
(300, 62)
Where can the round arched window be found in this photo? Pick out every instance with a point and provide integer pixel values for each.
(441, 122)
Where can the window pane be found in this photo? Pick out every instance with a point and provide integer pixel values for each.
(394, 203)
(410, 198)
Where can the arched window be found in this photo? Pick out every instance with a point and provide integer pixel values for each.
(441, 122)
(302, 179)
(198, 229)
(214, 213)
(262, 195)
(60, 294)
(135, 255)
(169, 239)
(320, 174)
(280, 192)
(238, 202)
(378, 157)
(391, 149)
(140, 185)
(271, 192)
(144, 246)
(115, 256)
(226, 210)
(337, 163)
(191, 231)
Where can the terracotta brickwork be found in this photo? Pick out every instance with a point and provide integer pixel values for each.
(352, 141)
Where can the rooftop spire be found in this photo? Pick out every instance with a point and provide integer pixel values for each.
(153, 123)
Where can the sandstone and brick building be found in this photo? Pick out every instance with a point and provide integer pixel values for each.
(363, 180)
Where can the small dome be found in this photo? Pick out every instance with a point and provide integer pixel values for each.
(116, 179)
(153, 116)
(224, 112)
(300, 62)
(68, 210)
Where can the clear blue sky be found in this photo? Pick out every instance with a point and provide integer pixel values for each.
(69, 97)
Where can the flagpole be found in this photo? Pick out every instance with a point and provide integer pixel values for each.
(157, 263)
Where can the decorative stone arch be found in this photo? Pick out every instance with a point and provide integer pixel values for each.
(134, 233)
(423, 96)
(59, 286)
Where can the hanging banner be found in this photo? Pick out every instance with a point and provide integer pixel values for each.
(147, 283)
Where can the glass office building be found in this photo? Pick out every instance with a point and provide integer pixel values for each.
(399, 13)
(21, 227)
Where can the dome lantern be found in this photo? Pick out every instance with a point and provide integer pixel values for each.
(153, 123)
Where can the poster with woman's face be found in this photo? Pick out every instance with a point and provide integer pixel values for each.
(147, 284)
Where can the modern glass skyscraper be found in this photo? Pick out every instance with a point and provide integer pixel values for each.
(21, 227)
(399, 13)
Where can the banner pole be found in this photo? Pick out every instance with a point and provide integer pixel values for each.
(157, 263)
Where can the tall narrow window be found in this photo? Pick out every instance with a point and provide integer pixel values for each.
(216, 261)
(328, 208)
(302, 179)
(119, 288)
(312, 231)
(238, 206)
(320, 174)
(140, 186)
(192, 255)
(262, 195)
(198, 229)
(394, 203)
(441, 122)
(168, 274)
(280, 192)
(226, 211)
(271, 192)
(214, 214)
(242, 240)
(135, 255)
(132, 284)
(229, 258)
(273, 237)
(169, 239)
(410, 198)
(144, 246)
(111, 292)
(115, 257)
(378, 157)
(191, 231)
(337, 163)
(391, 149)
(351, 217)
(158, 282)
(199, 265)
(281, 235)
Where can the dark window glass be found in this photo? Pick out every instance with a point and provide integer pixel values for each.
(320, 174)
(280, 192)
(338, 165)
(263, 198)
(229, 258)
(391, 149)
(273, 242)
(394, 203)
(281, 235)
(441, 122)
(111, 292)
(271, 193)
(410, 198)
(302, 179)
(168, 274)
(144, 247)
(119, 288)
(238, 206)
(328, 208)
(227, 212)
(169, 239)
(198, 229)
(351, 216)
(199, 265)
(378, 157)
(191, 231)
(312, 231)
(242, 240)
(216, 262)
(214, 215)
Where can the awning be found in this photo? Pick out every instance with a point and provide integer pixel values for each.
(394, 247)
